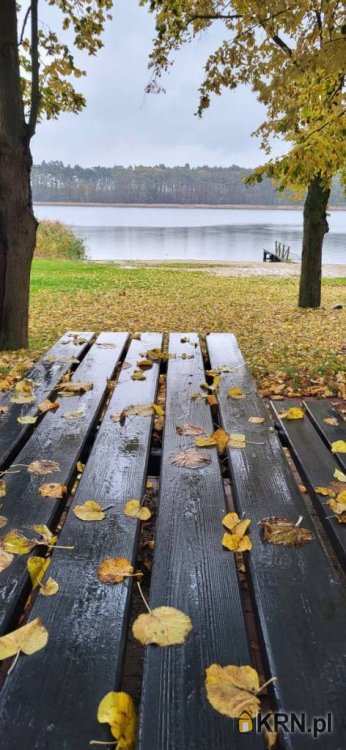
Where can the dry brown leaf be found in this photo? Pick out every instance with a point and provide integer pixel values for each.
(48, 405)
(76, 388)
(134, 509)
(232, 690)
(165, 626)
(5, 559)
(114, 570)
(27, 639)
(282, 531)
(189, 429)
(43, 467)
(53, 489)
(89, 511)
(256, 420)
(190, 459)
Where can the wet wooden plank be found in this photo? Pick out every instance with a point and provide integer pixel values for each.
(300, 600)
(62, 440)
(319, 410)
(316, 464)
(86, 620)
(195, 574)
(45, 373)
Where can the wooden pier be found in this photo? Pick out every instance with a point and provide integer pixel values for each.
(281, 253)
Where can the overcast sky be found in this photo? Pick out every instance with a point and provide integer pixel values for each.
(123, 125)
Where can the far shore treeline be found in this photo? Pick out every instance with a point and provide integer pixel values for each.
(53, 181)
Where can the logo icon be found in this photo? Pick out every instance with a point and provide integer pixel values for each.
(245, 723)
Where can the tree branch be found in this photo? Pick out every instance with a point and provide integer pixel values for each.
(25, 21)
(280, 43)
(218, 17)
(35, 70)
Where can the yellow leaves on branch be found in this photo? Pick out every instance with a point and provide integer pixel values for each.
(236, 539)
(233, 690)
(164, 626)
(133, 509)
(118, 710)
(28, 639)
(89, 511)
(282, 531)
(295, 412)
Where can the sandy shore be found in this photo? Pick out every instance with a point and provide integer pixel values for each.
(234, 268)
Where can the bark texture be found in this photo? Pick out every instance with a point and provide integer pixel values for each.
(315, 227)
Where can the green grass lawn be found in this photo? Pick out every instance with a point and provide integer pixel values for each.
(282, 344)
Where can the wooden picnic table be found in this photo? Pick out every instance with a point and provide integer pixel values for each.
(281, 609)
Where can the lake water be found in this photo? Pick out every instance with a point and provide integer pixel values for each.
(218, 234)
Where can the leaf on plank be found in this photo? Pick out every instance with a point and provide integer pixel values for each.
(277, 530)
(89, 511)
(325, 491)
(53, 489)
(294, 412)
(3, 410)
(235, 393)
(256, 420)
(48, 405)
(339, 475)
(145, 364)
(114, 570)
(237, 440)
(189, 429)
(219, 439)
(3, 488)
(28, 639)
(236, 539)
(339, 446)
(138, 375)
(134, 509)
(75, 389)
(76, 414)
(3, 521)
(43, 467)
(16, 543)
(165, 626)
(232, 690)
(212, 400)
(5, 559)
(190, 459)
(118, 710)
(156, 355)
(46, 535)
(333, 421)
(37, 567)
(49, 588)
(338, 506)
(27, 419)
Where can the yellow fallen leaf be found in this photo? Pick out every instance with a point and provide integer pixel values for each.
(237, 440)
(114, 570)
(189, 429)
(339, 446)
(52, 489)
(118, 710)
(28, 639)
(145, 364)
(16, 543)
(332, 421)
(46, 534)
(5, 559)
(138, 375)
(235, 393)
(43, 467)
(24, 386)
(27, 420)
(76, 388)
(165, 626)
(2, 488)
(37, 567)
(48, 405)
(295, 412)
(325, 491)
(339, 475)
(157, 355)
(282, 531)
(232, 690)
(49, 588)
(3, 521)
(191, 459)
(256, 420)
(134, 509)
(236, 543)
(158, 410)
(219, 438)
(89, 511)
(76, 414)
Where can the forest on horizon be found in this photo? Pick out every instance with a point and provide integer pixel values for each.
(56, 182)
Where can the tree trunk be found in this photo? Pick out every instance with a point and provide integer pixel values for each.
(315, 227)
(17, 222)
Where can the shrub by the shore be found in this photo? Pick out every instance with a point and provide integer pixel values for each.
(57, 241)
